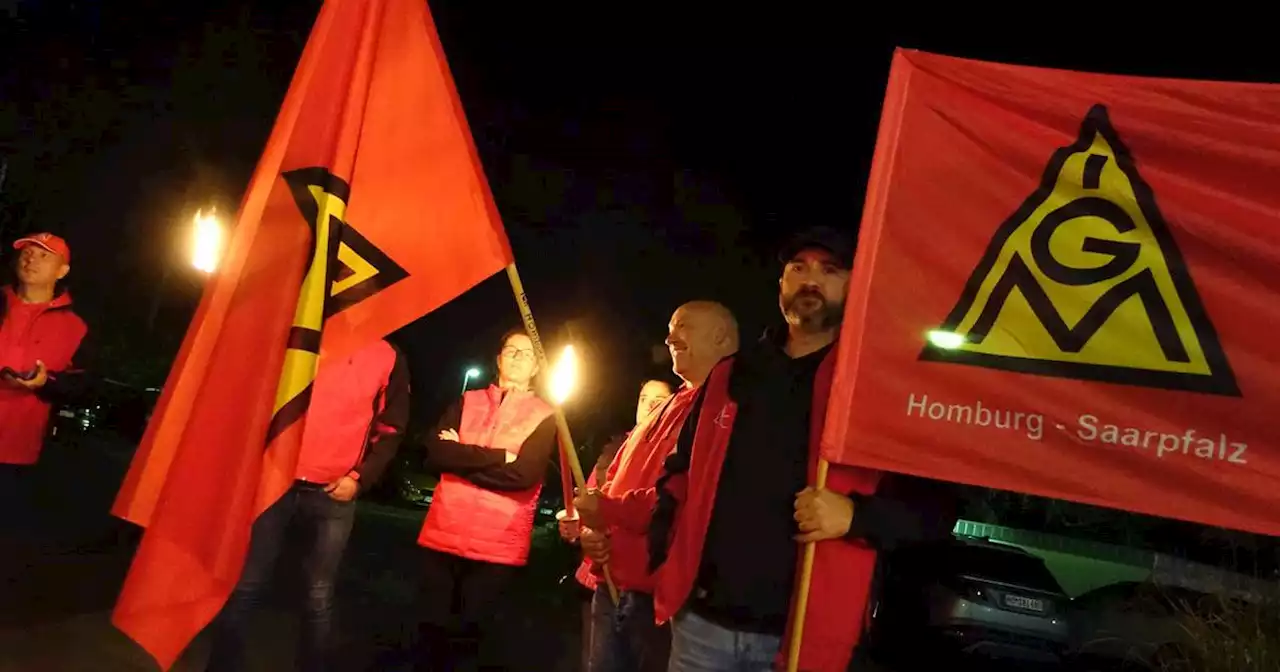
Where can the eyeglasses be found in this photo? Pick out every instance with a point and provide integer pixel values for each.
(516, 353)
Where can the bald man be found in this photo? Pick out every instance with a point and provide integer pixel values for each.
(733, 502)
(626, 638)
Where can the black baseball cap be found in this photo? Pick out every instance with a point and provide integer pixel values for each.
(838, 243)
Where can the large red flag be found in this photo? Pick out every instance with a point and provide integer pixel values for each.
(368, 209)
(1068, 284)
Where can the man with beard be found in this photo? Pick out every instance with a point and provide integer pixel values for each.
(734, 500)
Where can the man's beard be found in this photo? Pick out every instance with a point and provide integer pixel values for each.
(827, 316)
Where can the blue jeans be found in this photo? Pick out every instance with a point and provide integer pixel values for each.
(625, 638)
(698, 645)
(327, 523)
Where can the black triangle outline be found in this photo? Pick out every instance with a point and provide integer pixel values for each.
(389, 272)
(1221, 379)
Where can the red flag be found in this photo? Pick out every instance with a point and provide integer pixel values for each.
(1067, 285)
(368, 209)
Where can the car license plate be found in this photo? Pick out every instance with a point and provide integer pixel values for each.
(1027, 603)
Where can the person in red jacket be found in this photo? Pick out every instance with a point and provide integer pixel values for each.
(492, 450)
(626, 638)
(356, 421)
(653, 393)
(733, 501)
(39, 336)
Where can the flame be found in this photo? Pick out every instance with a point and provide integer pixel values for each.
(564, 375)
(206, 250)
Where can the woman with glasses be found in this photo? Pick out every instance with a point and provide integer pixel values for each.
(491, 450)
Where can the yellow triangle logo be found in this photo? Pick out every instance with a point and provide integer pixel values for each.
(356, 268)
(362, 271)
(1085, 281)
(344, 269)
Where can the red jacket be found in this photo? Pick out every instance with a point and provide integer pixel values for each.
(842, 569)
(638, 465)
(359, 408)
(52, 335)
(474, 522)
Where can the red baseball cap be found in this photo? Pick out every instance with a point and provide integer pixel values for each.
(47, 241)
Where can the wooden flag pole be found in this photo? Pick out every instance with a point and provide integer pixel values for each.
(802, 586)
(567, 447)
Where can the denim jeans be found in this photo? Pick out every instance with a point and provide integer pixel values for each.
(698, 645)
(625, 638)
(327, 523)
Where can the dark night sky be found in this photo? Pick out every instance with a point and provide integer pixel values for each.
(640, 157)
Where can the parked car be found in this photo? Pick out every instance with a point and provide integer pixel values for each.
(416, 488)
(973, 598)
(115, 408)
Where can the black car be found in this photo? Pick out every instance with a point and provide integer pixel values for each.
(112, 408)
(416, 489)
(972, 598)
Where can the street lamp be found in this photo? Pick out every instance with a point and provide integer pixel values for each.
(206, 248)
(472, 372)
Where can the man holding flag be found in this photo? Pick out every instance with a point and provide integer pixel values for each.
(368, 209)
(734, 498)
(359, 410)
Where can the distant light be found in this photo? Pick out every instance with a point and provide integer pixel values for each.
(564, 376)
(206, 249)
(471, 372)
(946, 340)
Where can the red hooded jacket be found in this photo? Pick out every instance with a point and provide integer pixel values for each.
(48, 332)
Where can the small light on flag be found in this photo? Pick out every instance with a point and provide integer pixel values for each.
(945, 339)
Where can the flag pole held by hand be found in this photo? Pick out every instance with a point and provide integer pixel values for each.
(567, 448)
(802, 586)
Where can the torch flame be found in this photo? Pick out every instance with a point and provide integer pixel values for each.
(207, 243)
(564, 376)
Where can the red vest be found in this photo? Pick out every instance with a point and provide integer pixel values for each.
(346, 397)
(52, 337)
(842, 570)
(470, 521)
